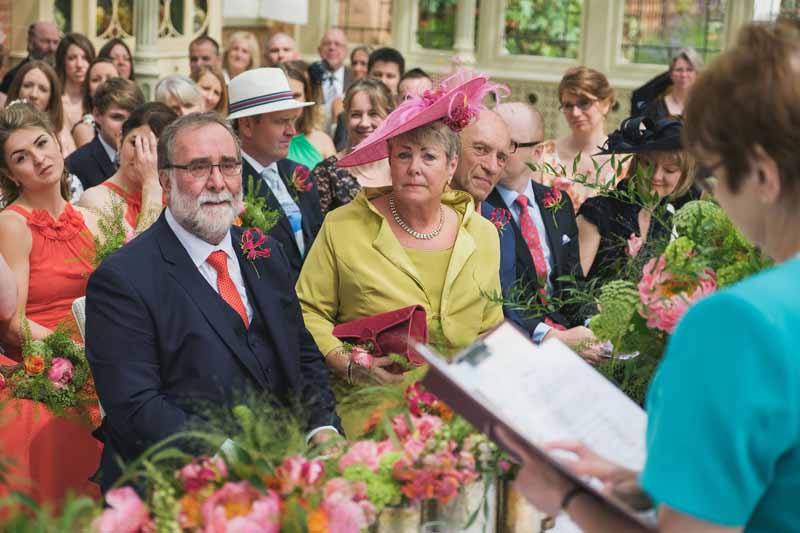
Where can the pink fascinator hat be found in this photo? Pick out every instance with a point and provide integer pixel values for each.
(457, 101)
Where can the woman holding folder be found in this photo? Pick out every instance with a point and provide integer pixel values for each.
(723, 436)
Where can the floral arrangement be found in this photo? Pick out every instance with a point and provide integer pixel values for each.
(256, 214)
(416, 451)
(54, 371)
(638, 314)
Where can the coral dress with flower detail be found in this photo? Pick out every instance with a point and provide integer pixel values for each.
(50, 455)
(60, 263)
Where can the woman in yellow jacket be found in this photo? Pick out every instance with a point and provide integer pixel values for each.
(414, 242)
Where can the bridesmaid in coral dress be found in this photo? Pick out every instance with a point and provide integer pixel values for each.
(48, 246)
(136, 182)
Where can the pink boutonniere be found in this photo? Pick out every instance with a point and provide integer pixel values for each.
(253, 240)
(500, 218)
(301, 179)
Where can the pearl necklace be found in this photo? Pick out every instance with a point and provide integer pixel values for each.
(405, 227)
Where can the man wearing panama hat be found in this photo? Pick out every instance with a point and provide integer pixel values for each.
(262, 105)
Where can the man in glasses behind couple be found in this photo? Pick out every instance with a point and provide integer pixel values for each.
(538, 233)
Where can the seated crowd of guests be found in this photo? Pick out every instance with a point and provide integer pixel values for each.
(405, 205)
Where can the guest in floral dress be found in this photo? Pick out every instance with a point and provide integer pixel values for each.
(49, 247)
(585, 98)
(366, 105)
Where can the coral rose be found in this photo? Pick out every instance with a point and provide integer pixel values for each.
(34, 365)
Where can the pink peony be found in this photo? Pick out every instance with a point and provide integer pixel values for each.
(346, 506)
(200, 472)
(240, 508)
(126, 513)
(635, 244)
(664, 299)
(367, 453)
(60, 373)
(297, 472)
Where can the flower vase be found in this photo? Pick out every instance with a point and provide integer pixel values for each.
(518, 515)
(476, 499)
(398, 520)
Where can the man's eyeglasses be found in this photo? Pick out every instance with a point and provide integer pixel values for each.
(202, 169)
(516, 146)
(583, 104)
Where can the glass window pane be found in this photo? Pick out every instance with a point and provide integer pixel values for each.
(62, 14)
(365, 22)
(436, 26)
(654, 30)
(550, 28)
(774, 9)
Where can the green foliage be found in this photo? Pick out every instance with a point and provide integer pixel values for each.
(550, 28)
(382, 489)
(113, 231)
(256, 213)
(619, 301)
(20, 514)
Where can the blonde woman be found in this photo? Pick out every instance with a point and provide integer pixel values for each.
(242, 53)
(210, 81)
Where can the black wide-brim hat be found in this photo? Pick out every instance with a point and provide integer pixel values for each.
(642, 134)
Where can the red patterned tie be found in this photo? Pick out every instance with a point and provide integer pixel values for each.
(531, 236)
(227, 289)
(534, 242)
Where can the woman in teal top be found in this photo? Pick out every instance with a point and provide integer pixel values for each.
(723, 436)
(311, 145)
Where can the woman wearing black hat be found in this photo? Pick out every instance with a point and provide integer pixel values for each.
(615, 225)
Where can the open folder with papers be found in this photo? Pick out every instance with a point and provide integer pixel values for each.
(540, 393)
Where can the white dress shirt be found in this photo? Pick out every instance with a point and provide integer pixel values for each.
(110, 152)
(332, 83)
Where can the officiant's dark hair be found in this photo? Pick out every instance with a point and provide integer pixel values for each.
(166, 142)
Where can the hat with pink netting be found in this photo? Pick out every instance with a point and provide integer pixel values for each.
(457, 101)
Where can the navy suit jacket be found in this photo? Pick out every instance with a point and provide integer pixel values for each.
(308, 202)
(162, 345)
(91, 164)
(562, 238)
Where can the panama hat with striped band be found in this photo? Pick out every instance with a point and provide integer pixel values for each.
(259, 91)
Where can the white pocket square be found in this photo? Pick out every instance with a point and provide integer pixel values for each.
(565, 239)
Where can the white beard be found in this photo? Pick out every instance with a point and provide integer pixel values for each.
(209, 223)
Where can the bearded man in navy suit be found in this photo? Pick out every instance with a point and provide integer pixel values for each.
(181, 318)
